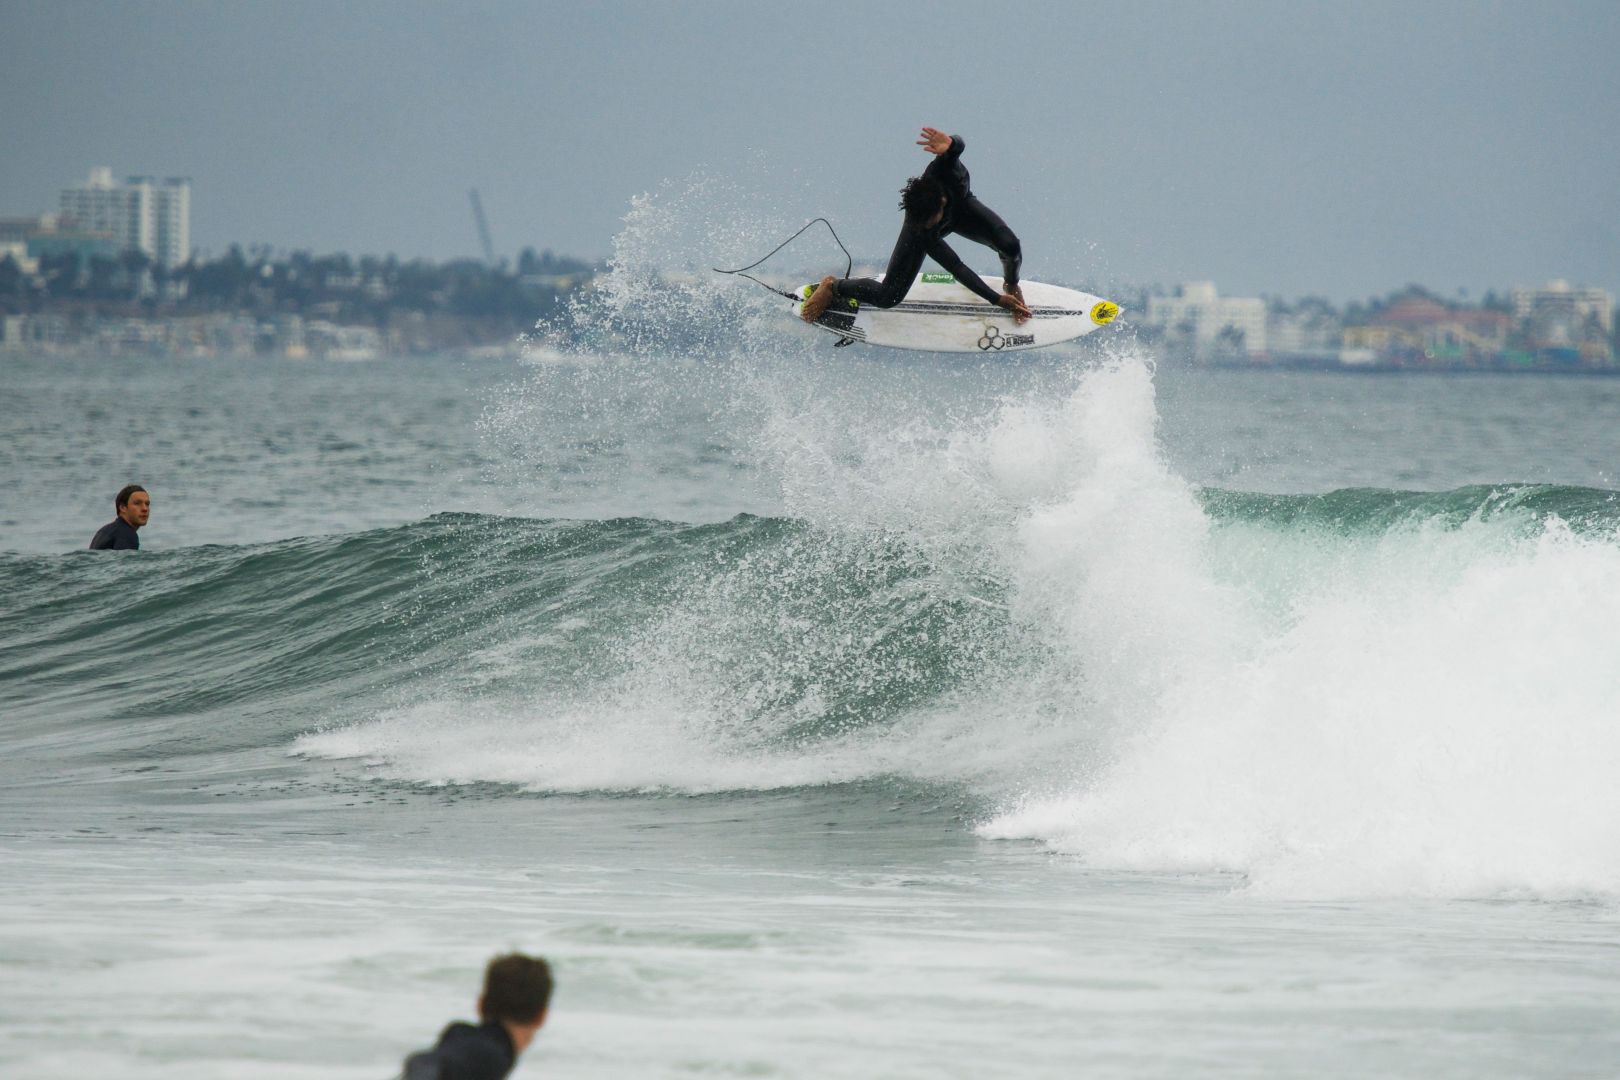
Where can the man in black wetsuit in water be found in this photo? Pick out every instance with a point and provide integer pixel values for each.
(134, 507)
(517, 992)
(937, 203)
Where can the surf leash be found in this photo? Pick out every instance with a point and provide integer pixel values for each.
(742, 271)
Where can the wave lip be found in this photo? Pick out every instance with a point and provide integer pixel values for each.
(1376, 510)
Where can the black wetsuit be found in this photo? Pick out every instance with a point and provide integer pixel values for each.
(965, 216)
(116, 535)
(465, 1052)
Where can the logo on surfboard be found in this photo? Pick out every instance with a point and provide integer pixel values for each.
(994, 339)
(1103, 312)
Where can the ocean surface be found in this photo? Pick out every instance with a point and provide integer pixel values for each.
(816, 713)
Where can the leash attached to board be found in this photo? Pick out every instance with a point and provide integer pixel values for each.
(742, 271)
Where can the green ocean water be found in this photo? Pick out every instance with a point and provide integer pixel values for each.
(817, 713)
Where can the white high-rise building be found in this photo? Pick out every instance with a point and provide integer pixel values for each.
(171, 221)
(141, 213)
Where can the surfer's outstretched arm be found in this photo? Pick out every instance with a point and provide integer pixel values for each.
(941, 252)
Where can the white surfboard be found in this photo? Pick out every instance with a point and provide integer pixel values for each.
(940, 315)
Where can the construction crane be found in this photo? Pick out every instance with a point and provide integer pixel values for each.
(483, 226)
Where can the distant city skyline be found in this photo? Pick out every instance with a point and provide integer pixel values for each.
(1273, 148)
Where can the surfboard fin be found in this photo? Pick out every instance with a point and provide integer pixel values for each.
(841, 342)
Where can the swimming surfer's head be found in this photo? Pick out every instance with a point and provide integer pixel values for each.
(517, 989)
(133, 504)
(923, 200)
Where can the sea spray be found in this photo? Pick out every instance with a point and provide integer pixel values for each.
(875, 638)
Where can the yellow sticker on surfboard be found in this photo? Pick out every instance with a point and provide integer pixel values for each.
(1103, 312)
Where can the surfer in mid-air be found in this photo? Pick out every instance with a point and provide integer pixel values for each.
(937, 203)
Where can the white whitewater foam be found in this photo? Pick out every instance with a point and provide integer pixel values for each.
(1438, 720)
(636, 746)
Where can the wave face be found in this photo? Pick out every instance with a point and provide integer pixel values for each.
(1364, 692)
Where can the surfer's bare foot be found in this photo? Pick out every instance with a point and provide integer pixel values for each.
(1013, 303)
(820, 300)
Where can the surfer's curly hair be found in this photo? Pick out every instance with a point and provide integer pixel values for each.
(920, 198)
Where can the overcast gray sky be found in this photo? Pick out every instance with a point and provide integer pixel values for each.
(1340, 148)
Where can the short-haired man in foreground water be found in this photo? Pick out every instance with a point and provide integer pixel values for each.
(134, 506)
(517, 991)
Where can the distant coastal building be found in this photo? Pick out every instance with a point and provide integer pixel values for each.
(1560, 321)
(1558, 298)
(1305, 331)
(14, 234)
(171, 220)
(26, 240)
(1423, 330)
(1197, 316)
(1480, 327)
(140, 214)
